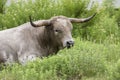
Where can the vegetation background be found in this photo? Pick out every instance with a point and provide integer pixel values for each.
(95, 55)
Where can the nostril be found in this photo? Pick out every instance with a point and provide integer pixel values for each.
(70, 42)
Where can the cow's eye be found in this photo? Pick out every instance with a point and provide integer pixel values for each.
(58, 31)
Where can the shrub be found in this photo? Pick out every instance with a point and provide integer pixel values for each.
(2, 4)
(104, 29)
(114, 71)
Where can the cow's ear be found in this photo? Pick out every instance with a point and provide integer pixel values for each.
(41, 23)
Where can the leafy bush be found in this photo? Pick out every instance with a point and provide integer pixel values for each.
(114, 71)
(105, 29)
(2, 4)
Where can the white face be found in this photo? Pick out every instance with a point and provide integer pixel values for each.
(63, 22)
(62, 30)
(68, 41)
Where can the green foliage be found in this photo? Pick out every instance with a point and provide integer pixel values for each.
(2, 4)
(117, 16)
(105, 29)
(114, 71)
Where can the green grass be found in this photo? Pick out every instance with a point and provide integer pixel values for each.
(85, 61)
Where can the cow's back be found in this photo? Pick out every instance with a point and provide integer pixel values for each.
(10, 40)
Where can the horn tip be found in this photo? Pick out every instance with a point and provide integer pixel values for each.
(31, 21)
(94, 13)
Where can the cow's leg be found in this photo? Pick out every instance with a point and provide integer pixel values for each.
(2, 58)
(7, 54)
(23, 59)
(27, 53)
(7, 58)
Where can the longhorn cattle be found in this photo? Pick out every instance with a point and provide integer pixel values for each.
(37, 39)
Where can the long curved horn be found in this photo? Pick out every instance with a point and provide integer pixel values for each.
(76, 20)
(42, 23)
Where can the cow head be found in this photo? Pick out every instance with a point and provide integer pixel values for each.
(61, 28)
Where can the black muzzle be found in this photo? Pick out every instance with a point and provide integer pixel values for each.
(70, 44)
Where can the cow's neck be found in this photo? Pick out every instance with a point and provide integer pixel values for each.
(47, 41)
